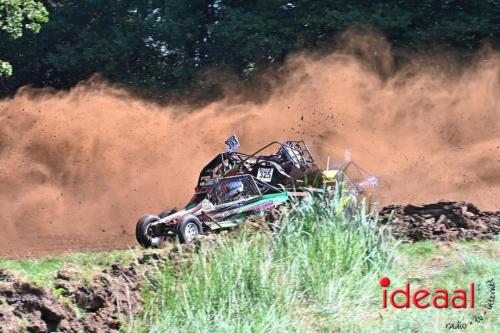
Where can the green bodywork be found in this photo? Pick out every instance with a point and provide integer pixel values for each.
(237, 215)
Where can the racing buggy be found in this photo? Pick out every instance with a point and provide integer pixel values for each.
(234, 186)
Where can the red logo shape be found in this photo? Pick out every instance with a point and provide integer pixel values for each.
(385, 282)
(439, 299)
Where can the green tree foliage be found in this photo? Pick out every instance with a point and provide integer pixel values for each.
(161, 46)
(19, 15)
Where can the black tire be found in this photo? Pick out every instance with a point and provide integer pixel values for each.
(141, 232)
(166, 213)
(187, 228)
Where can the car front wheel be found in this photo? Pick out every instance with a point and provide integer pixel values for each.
(188, 228)
(142, 232)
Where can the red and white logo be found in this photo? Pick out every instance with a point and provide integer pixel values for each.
(422, 298)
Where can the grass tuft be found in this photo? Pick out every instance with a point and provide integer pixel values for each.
(304, 278)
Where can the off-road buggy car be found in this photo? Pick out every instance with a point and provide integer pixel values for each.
(235, 185)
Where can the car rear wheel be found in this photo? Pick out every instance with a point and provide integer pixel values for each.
(142, 232)
(188, 228)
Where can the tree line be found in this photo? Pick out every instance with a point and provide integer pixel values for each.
(163, 46)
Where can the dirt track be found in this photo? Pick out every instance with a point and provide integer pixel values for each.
(89, 162)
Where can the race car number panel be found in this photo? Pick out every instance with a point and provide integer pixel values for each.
(265, 174)
(232, 144)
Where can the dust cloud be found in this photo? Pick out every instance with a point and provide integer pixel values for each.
(78, 168)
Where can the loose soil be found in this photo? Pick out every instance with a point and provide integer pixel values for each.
(96, 305)
(444, 220)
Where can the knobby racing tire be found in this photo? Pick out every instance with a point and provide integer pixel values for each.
(141, 232)
(166, 213)
(188, 228)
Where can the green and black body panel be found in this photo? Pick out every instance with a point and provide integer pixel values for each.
(229, 215)
(226, 203)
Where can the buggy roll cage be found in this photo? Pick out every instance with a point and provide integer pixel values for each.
(296, 152)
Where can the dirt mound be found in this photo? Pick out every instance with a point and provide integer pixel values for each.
(444, 220)
(27, 308)
(104, 301)
(101, 304)
(24, 307)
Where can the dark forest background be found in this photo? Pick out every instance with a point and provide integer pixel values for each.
(162, 47)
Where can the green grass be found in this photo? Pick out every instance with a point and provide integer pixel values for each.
(461, 266)
(318, 274)
(306, 278)
(42, 270)
(420, 250)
